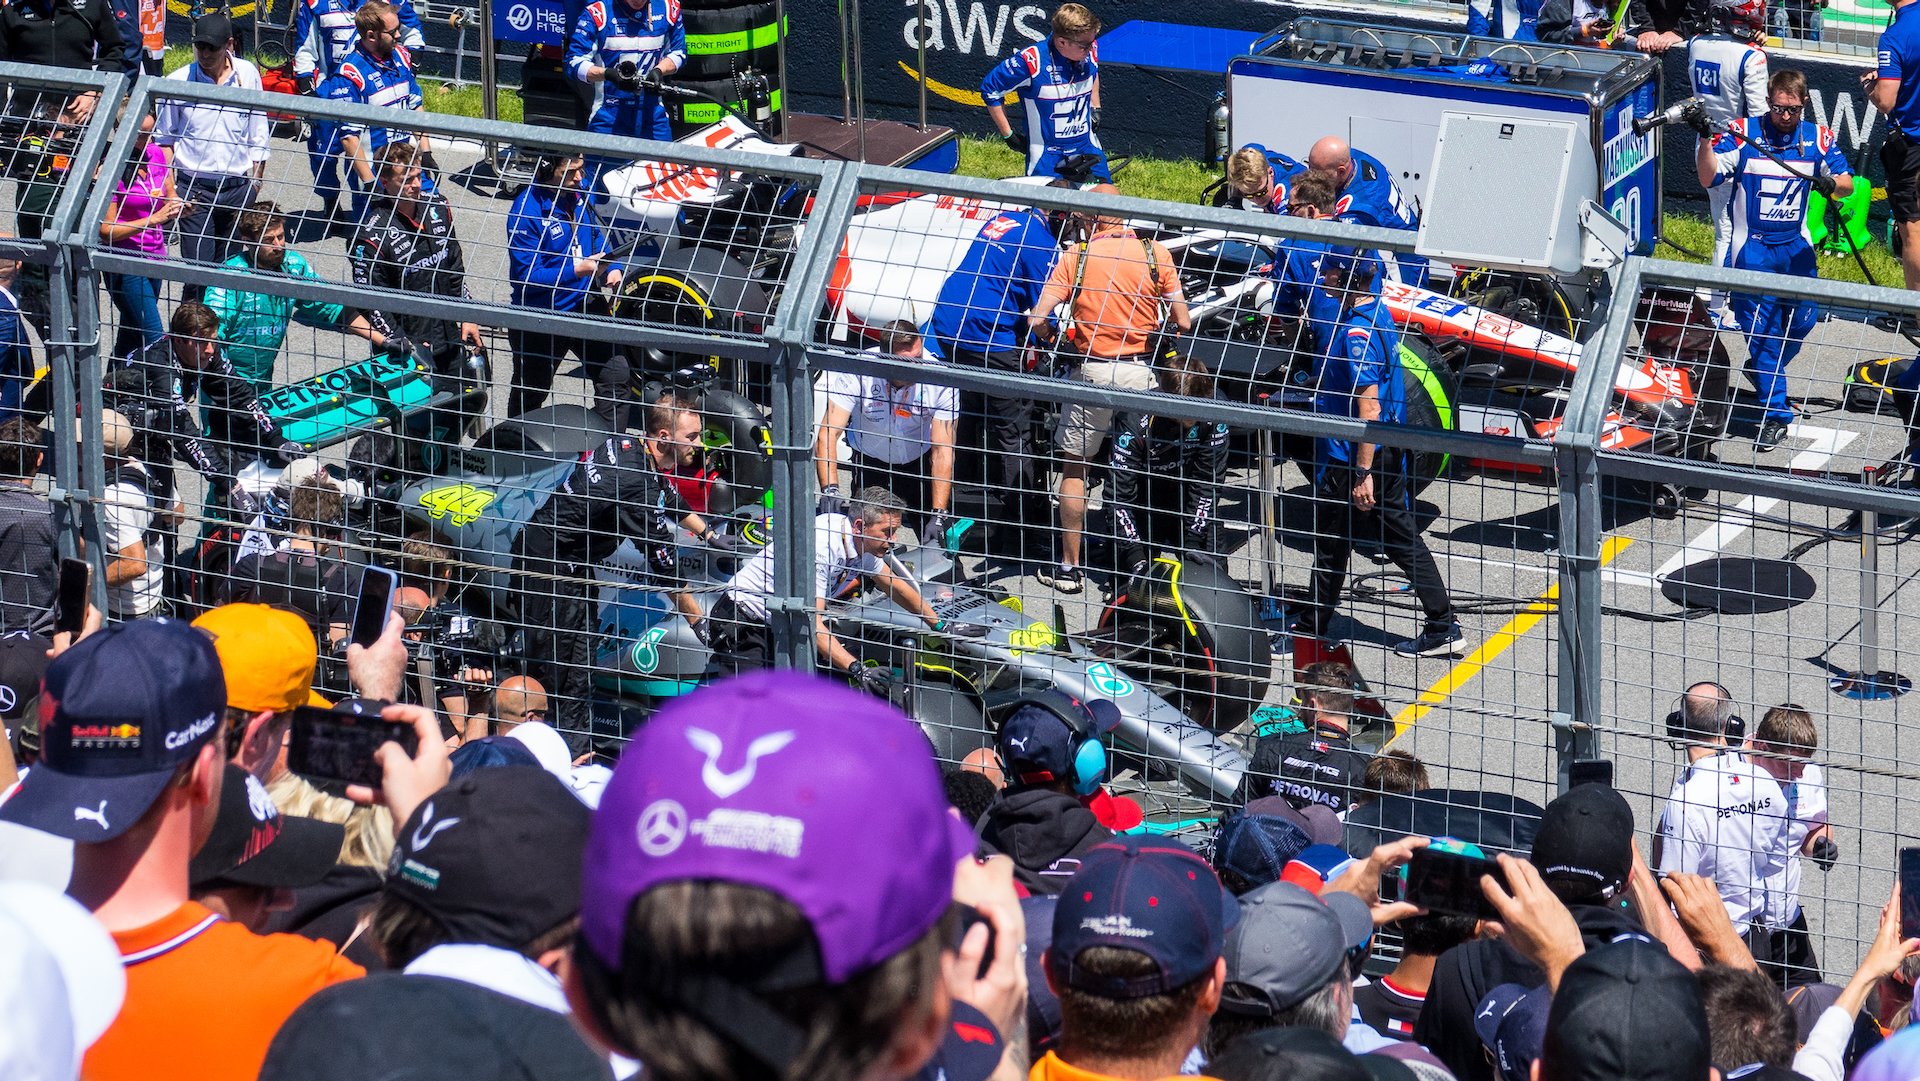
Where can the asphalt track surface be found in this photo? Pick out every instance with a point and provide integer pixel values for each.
(1481, 721)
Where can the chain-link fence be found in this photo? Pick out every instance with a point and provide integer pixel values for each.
(615, 412)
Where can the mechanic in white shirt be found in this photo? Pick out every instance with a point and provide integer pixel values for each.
(1726, 818)
(219, 152)
(899, 437)
(136, 553)
(1728, 70)
(847, 548)
(1783, 745)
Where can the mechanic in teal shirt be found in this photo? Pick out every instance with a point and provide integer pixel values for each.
(253, 325)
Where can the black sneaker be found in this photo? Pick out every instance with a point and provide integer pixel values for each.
(1434, 642)
(1772, 434)
(1062, 578)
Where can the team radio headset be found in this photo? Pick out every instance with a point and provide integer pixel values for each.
(1726, 722)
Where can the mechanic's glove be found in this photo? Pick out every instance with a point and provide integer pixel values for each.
(954, 628)
(1697, 119)
(1016, 142)
(625, 76)
(830, 501)
(1204, 559)
(937, 525)
(876, 681)
(1825, 853)
(290, 451)
(724, 542)
(703, 630)
(1825, 185)
(653, 80)
(397, 345)
(1094, 118)
(430, 163)
(244, 502)
(303, 84)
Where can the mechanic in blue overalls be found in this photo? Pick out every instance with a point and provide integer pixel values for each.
(980, 321)
(1515, 20)
(555, 252)
(1368, 196)
(1770, 228)
(1259, 179)
(1058, 81)
(629, 47)
(324, 34)
(377, 72)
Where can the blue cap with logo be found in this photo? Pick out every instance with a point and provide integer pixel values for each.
(120, 712)
(1149, 895)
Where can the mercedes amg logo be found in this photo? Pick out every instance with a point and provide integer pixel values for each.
(663, 825)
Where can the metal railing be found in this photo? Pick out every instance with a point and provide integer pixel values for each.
(1557, 542)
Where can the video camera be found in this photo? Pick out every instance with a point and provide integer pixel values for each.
(1689, 111)
(457, 641)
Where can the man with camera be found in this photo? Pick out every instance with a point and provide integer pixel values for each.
(637, 44)
(1770, 165)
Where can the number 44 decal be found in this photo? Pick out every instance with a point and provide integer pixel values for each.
(463, 501)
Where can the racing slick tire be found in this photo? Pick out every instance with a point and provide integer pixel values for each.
(1533, 299)
(738, 442)
(730, 37)
(699, 288)
(689, 114)
(1190, 630)
(952, 719)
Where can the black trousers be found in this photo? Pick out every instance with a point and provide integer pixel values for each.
(559, 618)
(911, 481)
(1336, 523)
(1785, 955)
(740, 642)
(1005, 429)
(537, 356)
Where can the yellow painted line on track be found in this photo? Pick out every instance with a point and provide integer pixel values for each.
(1497, 643)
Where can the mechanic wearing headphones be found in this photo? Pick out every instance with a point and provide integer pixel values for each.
(556, 251)
(900, 436)
(638, 43)
(1783, 745)
(1312, 762)
(1726, 819)
(1116, 286)
(846, 549)
(1360, 484)
(1368, 196)
(1260, 179)
(1058, 81)
(618, 492)
(1770, 229)
(1050, 749)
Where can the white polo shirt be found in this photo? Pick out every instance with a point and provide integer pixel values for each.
(889, 425)
(837, 565)
(213, 141)
(1807, 805)
(1727, 820)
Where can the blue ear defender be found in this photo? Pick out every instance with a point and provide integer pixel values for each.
(1089, 764)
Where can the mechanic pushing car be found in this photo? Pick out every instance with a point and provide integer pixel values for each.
(847, 548)
(1771, 164)
(1358, 484)
(1259, 179)
(1058, 81)
(628, 48)
(407, 244)
(1368, 196)
(1165, 473)
(617, 493)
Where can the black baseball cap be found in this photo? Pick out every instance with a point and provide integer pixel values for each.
(124, 708)
(1147, 895)
(253, 844)
(212, 29)
(494, 857)
(1585, 840)
(23, 661)
(1626, 1011)
(1287, 1053)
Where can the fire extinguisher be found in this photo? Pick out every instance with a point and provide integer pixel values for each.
(1218, 120)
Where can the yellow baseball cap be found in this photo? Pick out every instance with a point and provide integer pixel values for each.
(267, 655)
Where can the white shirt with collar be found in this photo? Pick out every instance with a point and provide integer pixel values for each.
(1807, 810)
(1727, 820)
(888, 424)
(213, 141)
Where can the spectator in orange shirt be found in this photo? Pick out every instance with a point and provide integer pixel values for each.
(131, 771)
(1119, 289)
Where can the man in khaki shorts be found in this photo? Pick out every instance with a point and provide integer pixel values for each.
(1115, 285)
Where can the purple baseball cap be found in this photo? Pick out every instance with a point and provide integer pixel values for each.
(791, 783)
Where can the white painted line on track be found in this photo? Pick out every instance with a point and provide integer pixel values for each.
(1825, 443)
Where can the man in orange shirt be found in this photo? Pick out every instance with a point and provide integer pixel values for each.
(131, 771)
(1119, 289)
